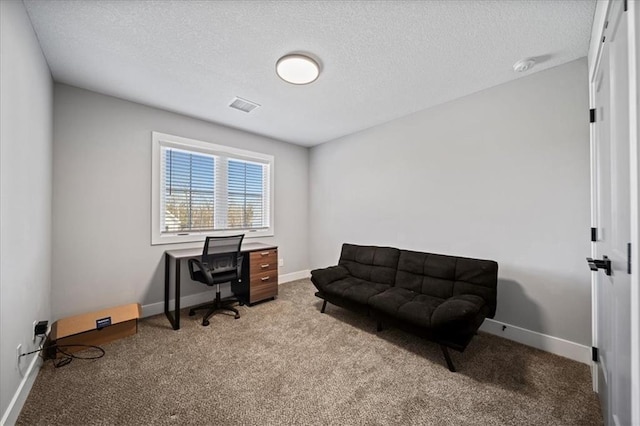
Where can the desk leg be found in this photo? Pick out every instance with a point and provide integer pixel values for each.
(176, 312)
(174, 318)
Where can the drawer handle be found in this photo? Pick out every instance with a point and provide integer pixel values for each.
(264, 278)
(266, 265)
(264, 253)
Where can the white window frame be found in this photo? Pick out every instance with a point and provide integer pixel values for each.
(160, 140)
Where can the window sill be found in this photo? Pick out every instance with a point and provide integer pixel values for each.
(196, 237)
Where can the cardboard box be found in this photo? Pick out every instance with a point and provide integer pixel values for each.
(94, 328)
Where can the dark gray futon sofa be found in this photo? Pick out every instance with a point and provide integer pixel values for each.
(441, 298)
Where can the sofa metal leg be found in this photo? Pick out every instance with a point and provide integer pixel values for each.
(379, 326)
(324, 305)
(447, 358)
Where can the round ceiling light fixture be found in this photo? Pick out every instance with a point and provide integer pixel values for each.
(523, 65)
(297, 69)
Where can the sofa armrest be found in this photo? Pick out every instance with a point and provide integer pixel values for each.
(322, 277)
(457, 313)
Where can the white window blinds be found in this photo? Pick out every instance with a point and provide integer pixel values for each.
(247, 194)
(210, 189)
(188, 194)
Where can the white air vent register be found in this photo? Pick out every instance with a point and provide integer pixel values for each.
(243, 105)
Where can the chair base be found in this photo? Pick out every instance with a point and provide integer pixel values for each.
(216, 306)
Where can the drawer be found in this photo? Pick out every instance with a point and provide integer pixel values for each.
(263, 286)
(264, 278)
(260, 266)
(264, 292)
(266, 256)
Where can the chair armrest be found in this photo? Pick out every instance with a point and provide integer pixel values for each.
(457, 312)
(193, 263)
(325, 276)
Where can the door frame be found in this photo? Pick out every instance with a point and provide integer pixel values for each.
(634, 136)
(633, 10)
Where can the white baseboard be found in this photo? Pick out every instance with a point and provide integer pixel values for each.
(555, 345)
(206, 296)
(10, 416)
(294, 276)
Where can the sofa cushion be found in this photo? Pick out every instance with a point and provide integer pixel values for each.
(444, 276)
(322, 277)
(407, 305)
(370, 263)
(354, 289)
(477, 277)
(458, 312)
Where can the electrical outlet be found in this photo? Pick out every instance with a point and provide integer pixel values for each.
(35, 322)
(281, 262)
(18, 352)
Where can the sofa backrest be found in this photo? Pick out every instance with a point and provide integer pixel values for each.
(371, 263)
(445, 276)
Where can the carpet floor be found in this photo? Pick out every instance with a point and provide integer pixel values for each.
(283, 362)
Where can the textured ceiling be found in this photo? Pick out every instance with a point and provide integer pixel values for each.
(380, 59)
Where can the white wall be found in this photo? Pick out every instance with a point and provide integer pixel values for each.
(102, 253)
(502, 174)
(26, 91)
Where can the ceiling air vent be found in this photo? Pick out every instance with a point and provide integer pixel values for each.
(243, 105)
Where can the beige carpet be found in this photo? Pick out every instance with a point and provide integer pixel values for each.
(283, 362)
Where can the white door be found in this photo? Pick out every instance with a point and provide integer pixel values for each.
(612, 220)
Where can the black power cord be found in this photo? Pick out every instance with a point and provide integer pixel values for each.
(68, 357)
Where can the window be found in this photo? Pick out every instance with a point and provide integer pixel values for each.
(202, 189)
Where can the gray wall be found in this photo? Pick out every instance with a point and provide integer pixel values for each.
(501, 174)
(102, 253)
(25, 185)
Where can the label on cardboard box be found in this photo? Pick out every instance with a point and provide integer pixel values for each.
(103, 322)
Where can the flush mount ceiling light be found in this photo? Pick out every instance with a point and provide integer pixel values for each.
(297, 69)
(523, 65)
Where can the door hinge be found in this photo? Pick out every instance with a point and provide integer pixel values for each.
(594, 234)
(629, 258)
(594, 354)
(592, 115)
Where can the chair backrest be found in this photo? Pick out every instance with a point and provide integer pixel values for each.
(221, 254)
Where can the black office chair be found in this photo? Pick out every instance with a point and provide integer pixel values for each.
(221, 262)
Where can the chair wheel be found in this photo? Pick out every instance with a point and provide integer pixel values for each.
(205, 323)
(192, 312)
